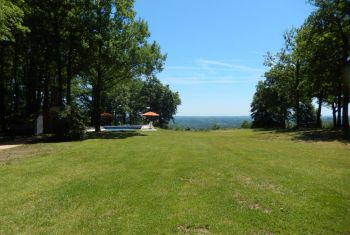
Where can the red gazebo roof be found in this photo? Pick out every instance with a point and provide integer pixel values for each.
(151, 114)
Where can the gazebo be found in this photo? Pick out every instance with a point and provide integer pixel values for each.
(151, 115)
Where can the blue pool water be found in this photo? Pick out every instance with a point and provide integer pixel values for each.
(123, 128)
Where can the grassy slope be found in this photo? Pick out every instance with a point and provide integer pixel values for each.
(180, 182)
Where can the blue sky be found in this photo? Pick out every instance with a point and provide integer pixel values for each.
(216, 48)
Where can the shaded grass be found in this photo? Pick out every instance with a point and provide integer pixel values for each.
(326, 135)
(114, 135)
(167, 182)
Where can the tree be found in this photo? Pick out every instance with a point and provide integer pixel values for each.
(281, 100)
(11, 24)
(75, 53)
(11, 20)
(314, 64)
(262, 109)
(117, 49)
(160, 99)
(329, 28)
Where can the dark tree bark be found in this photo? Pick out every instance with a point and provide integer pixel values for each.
(58, 61)
(283, 118)
(334, 114)
(124, 118)
(97, 90)
(97, 104)
(46, 104)
(344, 75)
(31, 83)
(2, 89)
(69, 79)
(346, 87)
(319, 111)
(339, 105)
(15, 78)
(345, 118)
(39, 92)
(69, 69)
(297, 95)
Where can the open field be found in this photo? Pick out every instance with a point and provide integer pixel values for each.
(168, 182)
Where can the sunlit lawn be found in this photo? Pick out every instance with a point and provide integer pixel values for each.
(168, 182)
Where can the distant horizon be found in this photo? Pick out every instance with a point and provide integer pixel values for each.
(211, 115)
(227, 116)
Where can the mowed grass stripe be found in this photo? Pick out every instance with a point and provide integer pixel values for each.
(219, 182)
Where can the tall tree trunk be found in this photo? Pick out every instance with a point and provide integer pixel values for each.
(297, 95)
(69, 79)
(69, 70)
(284, 115)
(334, 113)
(58, 64)
(15, 78)
(31, 83)
(345, 74)
(162, 123)
(39, 92)
(97, 102)
(346, 87)
(60, 82)
(2, 90)
(46, 104)
(131, 118)
(124, 118)
(97, 89)
(345, 118)
(319, 111)
(339, 104)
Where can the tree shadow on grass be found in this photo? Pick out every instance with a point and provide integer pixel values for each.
(114, 135)
(51, 139)
(326, 135)
(10, 140)
(312, 135)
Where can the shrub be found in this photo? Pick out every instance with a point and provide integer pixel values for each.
(178, 127)
(68, 124)
(246, 125)
(216, 127)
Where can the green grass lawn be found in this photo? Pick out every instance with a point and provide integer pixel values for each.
(168, 182)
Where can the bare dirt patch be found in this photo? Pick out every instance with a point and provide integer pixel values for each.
(188, 229)
(23, 151)
(259, 184)
(9, 146)
(255, 206)
(252, 205)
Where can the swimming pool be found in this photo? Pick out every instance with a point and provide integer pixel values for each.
(122, 128)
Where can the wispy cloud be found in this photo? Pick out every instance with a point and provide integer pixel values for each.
(235, 67)
(203, 80)
(184, 68)
(212, 65)
(211, 72)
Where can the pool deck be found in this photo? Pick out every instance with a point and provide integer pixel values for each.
(123, 128)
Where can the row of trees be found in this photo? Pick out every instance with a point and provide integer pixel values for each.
(129, 100)
(79, 53)
(314, 65)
